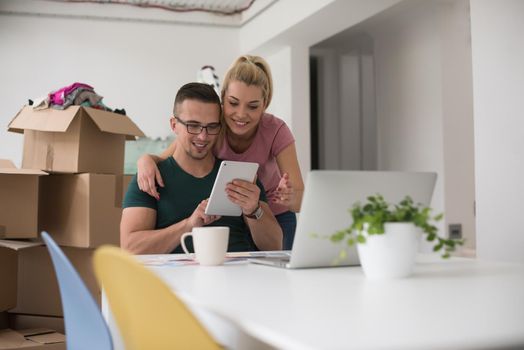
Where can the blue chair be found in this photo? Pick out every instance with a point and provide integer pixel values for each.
(84, 325)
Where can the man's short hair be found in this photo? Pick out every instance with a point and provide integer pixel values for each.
(199, 92)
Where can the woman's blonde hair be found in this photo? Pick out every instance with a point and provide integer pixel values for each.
(251, 70)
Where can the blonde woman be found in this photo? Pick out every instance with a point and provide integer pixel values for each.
(251, 135)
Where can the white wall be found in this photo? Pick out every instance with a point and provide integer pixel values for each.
(134, 65)
(280, 63)
(409, 96)
(498, 77)
(457, 116)
(287, 64)
(300, 104)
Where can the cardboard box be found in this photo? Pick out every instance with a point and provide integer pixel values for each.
(37, 287)
(82, 210)
(4, 320)
(124, 180)
(20, 321)
(15, 334)
(9, 255)
(75, 140)
(8, 278)
(9, 273)
(18, 201)
(29, 339)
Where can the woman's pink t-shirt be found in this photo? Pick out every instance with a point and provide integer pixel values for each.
(272, 136)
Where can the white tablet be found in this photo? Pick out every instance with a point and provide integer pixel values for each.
(218, 203)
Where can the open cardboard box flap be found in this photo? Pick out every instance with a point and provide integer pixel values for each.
(6, 163)
(43, 335)
(19, 244)
(54, 120)
(27, 339)
(8, 167)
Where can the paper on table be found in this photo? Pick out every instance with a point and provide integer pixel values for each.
(163, 261)
(276, 253)
(231, 258)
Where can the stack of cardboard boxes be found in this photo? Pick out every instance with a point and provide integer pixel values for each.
(71, 185)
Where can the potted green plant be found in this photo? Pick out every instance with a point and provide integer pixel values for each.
(387, 235)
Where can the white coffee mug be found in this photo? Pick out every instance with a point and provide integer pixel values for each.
(210, 244)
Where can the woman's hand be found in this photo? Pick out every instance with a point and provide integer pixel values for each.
(285, 193)
(244, 193)
(148, 176)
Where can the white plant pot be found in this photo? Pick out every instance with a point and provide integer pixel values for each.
(392, 254)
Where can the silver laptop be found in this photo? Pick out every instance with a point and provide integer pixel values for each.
(328, 196)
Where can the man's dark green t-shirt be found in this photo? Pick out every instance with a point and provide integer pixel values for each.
(181, 194)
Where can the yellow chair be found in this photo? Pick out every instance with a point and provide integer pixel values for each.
(148, 313)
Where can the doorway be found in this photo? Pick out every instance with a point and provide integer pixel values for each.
(343, 112)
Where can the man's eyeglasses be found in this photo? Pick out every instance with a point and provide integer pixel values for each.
(196, 129)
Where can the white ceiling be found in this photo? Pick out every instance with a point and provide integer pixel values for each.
(229, 13)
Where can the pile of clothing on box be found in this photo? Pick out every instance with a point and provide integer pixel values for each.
(76, 94)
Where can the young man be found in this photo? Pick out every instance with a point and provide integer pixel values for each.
(151, 226)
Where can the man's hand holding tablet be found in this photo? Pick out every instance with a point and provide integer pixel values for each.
(219, 203)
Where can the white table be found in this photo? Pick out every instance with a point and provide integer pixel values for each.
(456, 303)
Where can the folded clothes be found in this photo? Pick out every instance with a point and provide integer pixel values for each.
(58, 97)
(86, 95)
(77, 94)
